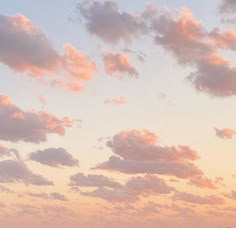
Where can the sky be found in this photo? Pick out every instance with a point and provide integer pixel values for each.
(118, 114)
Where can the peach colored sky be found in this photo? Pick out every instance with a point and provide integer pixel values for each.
(118, 114)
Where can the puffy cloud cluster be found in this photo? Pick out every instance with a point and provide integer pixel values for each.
(118, 65)
(55, 157)
(25, 49)
(29, 126)
(186, 38)
(12, 171)
(138, 152)
(178, 32)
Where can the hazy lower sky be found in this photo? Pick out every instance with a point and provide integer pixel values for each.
(118, 114)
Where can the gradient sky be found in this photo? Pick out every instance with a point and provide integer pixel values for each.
(118, 114)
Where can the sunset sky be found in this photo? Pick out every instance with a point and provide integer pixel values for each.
(118, 114)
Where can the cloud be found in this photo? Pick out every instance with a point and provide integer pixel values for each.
(55, 157)
(25, 49)
(16, 171)
(195, 199)
(134, 188)
(182, 35)
(142, 146)
(178, 169)
(32, 126)
(225, 133)
(227, 6)
(191, 44)
(21, 41)
(116, 101)
(81, 180)
(204, 182)
(53, 195)
(215, 78)
(105, 21)
(138, 152)
(118, 65)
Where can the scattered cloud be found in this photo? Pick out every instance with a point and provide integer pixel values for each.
(116, 101)
(118, 65)
(32, 126)
(225, 133)
(105, 21)
(81, 180)
(12, 171)
(21, 41)
(186, 38)
(55, 157)
(138, 152)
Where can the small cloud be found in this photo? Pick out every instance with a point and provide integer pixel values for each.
(116, 101)
(225, 133)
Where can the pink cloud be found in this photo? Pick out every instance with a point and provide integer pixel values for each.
(225, 133)
(136, 152)
(189, 41)
(202, 182)
(116, 101)
(142, 146)
(118, 65)
(34, 127)
(19, 49)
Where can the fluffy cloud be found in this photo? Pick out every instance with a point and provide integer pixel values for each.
(16, 171)
(186, 38)
(116, 101)
(25, 49)
(190, 198)
(142, 145)
(81, 180)
(105, 21)
(118, 65)
(225, 133)
(54, 157)
(32, 126)
(134, 188)
(139, 152)
(227, 6)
